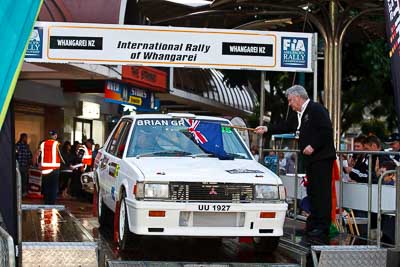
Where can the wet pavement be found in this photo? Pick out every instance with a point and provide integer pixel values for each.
(51, 225)
(153, 248)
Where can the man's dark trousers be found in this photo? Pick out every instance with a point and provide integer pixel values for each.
(50, 187)
(319, 174)
(24, 179)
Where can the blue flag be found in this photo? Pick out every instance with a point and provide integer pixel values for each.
(16, 23)
(208, 136)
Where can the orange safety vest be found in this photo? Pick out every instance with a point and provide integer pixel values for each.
(87, 157)
(50, 157)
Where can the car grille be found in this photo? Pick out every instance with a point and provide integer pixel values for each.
(215, 192)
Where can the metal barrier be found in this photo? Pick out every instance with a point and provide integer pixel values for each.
(7, 255)
(397, 211)
(370, 155)
(380, 211)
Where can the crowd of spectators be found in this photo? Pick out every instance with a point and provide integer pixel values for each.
(286, 162)
(356, 166)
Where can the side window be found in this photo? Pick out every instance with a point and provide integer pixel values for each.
(112, 145)
(122, 141)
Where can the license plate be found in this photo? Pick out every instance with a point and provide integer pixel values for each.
(213, 207)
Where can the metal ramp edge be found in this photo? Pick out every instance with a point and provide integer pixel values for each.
(115, 263)
(294, 251)
(349, 256)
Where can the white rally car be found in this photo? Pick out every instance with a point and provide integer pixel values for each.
(156, 178)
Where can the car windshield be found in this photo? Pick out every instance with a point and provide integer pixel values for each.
(173, 138)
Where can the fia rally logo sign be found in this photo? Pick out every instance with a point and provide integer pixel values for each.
(294, 52)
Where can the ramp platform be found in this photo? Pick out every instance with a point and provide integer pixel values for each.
(51, 236)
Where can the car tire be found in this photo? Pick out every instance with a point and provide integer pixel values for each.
(102, 210)
(266, 244)
(126, 239)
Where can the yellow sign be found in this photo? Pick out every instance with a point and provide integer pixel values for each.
(135, 100)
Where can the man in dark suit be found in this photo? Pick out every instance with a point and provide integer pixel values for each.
(314, 128)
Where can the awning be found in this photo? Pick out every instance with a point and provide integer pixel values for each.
(73, 71)
(205, 91)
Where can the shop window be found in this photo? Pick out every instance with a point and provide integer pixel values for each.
(82, 130)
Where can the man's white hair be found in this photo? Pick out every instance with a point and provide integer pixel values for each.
(297, 90)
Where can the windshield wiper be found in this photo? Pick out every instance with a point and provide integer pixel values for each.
(164, 153)
(202, 155)
(236, 156)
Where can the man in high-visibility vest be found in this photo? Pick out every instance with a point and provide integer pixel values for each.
(50, 163)
(87, 157)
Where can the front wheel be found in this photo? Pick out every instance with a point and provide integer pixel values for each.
(123, 227)
(266, 244)
(125, 237)
(101, 209)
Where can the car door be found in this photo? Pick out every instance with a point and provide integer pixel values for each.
(105, 179)
(115, 151)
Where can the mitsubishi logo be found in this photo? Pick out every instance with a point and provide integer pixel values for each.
(212, 191)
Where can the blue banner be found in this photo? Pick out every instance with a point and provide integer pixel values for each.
(16, 23)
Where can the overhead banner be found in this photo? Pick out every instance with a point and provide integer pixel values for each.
(173, 47)
(121, 93)
(392, 14)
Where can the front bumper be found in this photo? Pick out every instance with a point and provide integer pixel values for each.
(206, 219)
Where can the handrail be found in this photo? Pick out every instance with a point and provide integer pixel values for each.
(8, 256)
(379, 228)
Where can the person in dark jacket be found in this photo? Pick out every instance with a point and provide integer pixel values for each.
(65, 170)
(373, 143)
(24, 158)
(77, 166)
(358, 167)
(312, 125)
(394, 142)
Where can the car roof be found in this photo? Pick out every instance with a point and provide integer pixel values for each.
(174, 116)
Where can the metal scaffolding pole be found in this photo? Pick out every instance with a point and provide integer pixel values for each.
(262, 109)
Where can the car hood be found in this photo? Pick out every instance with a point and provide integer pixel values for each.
(203, 170)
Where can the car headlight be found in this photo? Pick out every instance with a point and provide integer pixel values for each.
(156, 190)
(282, 192)
(138, 190)
(266, 192)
